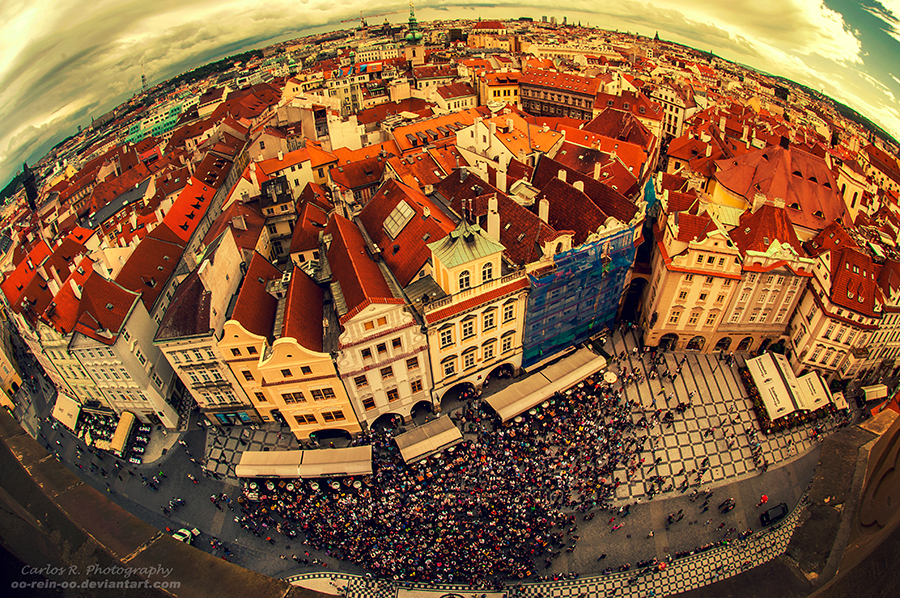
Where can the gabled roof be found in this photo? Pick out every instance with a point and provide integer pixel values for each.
(315, 193)
(466, 243)
(255, 308)
(693, 227)
(358, 174)
(360, 279)
(273, 165)
(455, 90)
(312, 219)
(103, 309)
(622, 126)
(609, 200)
(151, 264)
(65, 309)
(757, 230)
(14, 284)
(832, 237)
(405, 252)
(561, 81)
(188, 313)
(303, 312)
(188, 209)
(853, 277)
(522, 232)
(246, 224)
(571, 209)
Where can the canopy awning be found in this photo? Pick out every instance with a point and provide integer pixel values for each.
(876, 391)
(535, 389)
(123, 430)
(66, 411)
(770, 381)
(814, 393)
(269, 464)
(428, 439)
(356, 460)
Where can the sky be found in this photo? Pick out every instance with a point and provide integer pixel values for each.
(64, 61)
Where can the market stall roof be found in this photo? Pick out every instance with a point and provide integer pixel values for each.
(356, 460)
(814, 393)
(123, 429)
(876, 391)
(269, 464)
(428, 439)
(538, 387)
(769, 378)
(66, 411)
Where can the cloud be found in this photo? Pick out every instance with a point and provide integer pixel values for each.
(887, 11)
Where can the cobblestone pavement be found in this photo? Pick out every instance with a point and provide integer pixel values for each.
(225, 445)
(678, 576)
(719, 403)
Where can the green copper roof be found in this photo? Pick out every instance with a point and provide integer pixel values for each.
(465, 244)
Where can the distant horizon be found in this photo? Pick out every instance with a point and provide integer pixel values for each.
(85, 60)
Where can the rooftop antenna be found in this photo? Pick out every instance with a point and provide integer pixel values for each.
(143, 78)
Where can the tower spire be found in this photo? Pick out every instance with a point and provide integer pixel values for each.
(143, 78)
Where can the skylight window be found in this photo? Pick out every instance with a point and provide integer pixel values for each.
(398, 218)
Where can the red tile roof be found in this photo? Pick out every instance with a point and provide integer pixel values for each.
(14, 284)
(378, 113)
(104, 307)
(853, 277)
(455, 90)
(189, 208)
(622, 126)
(636, 103)
(315, 193)
(359, 174)
(609, 200)
(757, 230)
(522, 232)
(254, 308)
(245, 221)
(803, 181)
(407, 253)
(312, 219)
(693, 228)
(571, 209)
(561, 81)
(64, 310)
(361, 281)
(151, 264)
(303, 312)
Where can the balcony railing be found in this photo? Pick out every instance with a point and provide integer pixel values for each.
(474, 291)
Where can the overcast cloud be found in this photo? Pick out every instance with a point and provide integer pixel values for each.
(65, 61)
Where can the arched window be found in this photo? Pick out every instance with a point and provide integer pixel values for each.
(464, 280)
(559, 247)
(487, 272)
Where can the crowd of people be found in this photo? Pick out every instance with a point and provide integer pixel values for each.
(492, 508)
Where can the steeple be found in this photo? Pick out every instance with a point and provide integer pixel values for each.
(413, 36)
(143, 78)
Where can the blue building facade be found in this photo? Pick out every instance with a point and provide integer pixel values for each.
(579, 297)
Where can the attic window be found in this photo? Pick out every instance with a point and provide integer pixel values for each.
(819, 214)
(795, 205)
(812, 179)
(109, 306)
(747, 230)
(797, 173)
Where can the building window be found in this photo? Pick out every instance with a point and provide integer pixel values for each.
(236, 352)
(381, 348)
(688, 277)
(694, 317)
(489, 350)
(487, 272)
(305, 369)
(754, 315)
(366, 353)
(489, 320)
(393, 395)
(829, 331)
(720, 298)
(836, 359)
(286, 373)
(322, 394)
(251, 350)
(711, 260)
(333, 416)
(673, 319)
(464, 282)
(468, 328)
(260, 397)
(507, 343)
(711, 319)
(468, 360)
(840, 334)
(446, 337)
(509, 312)
(248, 375)
(703, 296)
(369, 404)
(305, 419)
(293, 397)
(397, 344)
(682, 295)
(449, 367)
(415, 386)
(387, 372)
(361, 381)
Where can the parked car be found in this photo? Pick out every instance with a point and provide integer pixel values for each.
(186, 535)
(135, 460)
(774, 514)
(144, 429)
(141, 440)
(137, 449)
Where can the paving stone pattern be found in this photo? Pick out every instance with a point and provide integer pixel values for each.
(225, 445)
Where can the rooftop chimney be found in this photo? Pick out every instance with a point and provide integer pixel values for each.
(562, 175)
(493, 219)
(579, 185)
(544, 210)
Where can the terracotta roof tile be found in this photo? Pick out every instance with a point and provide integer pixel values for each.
(853, 276)
(104, 307)
(757, 230)
(693, 228)
(303, 311)
(609, 200)
(151, 264)
(255, 308)
(407, 253)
